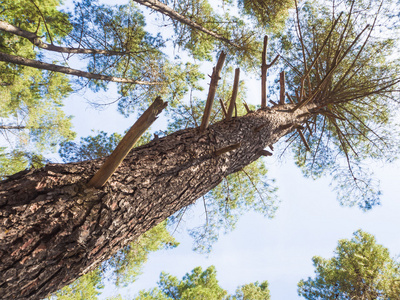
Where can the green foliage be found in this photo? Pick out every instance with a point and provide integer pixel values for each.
(16, 160)
(360, 269)
(353, 78)
(40, 16)
(199, 284)
(126, 264)
(116, 28)
(122, 28)
(87, 287)
(31, 100)
(252, 291)
(244, 39)
(177, 80)
(90, 147)
(267, 13)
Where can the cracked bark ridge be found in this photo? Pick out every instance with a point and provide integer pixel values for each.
(53, 228)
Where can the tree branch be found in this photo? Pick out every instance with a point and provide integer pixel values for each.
(61, 69)
(211, 92)
(126, 144)
(166, 10)
(37, 41)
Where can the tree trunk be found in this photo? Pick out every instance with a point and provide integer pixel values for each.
(54, 229)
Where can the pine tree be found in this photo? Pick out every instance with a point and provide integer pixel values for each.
(57, 224)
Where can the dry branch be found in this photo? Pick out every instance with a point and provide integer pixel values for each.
(227, 149)
(290, 98)
(264, 74)
(265, 153)
(223, 107)
(127, 143)
(232, 103)
(264, 68)
(303, 139)
(246, 107)
(211, 92)
(282, 87)
(273, 102)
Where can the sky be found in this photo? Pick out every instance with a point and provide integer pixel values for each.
(309, 221)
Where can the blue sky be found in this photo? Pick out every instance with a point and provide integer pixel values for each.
(309, 221)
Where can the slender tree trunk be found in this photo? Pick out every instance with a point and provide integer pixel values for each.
(54, 229)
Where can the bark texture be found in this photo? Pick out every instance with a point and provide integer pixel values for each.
(54, 229)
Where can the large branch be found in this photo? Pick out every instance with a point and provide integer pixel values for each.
(9, 127)
(166, 10)
(61, 69)
(53, 228)
(37, 41)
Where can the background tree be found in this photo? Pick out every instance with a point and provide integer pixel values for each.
(199, 284)
(32, 121)
(360, 269)
(337, 58)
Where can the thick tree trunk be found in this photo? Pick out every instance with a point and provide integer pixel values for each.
(54, 229)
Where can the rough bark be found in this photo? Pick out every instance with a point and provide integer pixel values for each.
(54, 229)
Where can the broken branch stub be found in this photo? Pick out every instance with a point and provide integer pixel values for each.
(246, 107)
(227, 149)
(232, 103)
(282, 87)
(126, 144)
(223, 107)
(265, 153)
(303, 140)
(264, 74)
(211, 92)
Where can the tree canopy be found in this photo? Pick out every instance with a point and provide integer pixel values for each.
(360, 269)
(199, 284)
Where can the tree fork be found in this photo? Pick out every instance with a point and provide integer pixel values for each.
(53, 228)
